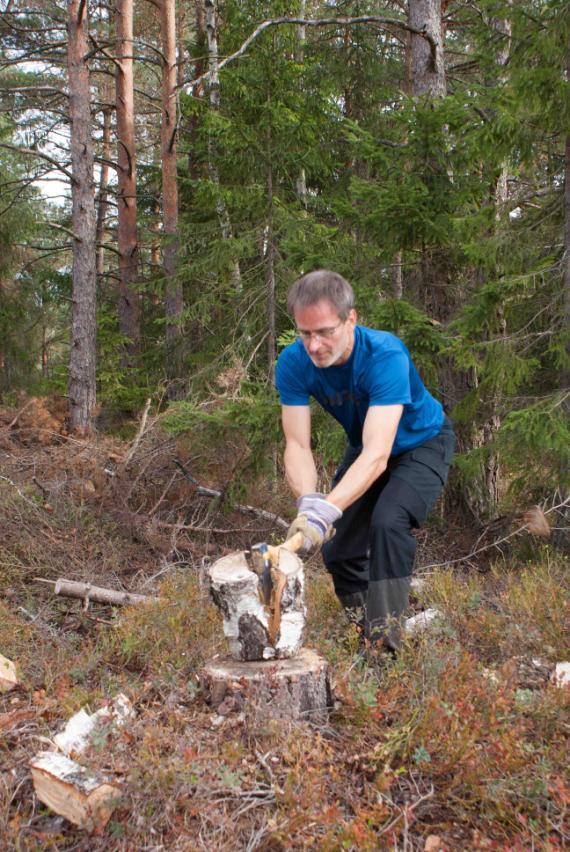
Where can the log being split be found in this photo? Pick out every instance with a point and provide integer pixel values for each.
(87, 592)
(85, 798)
(295, 689)
(256, 630)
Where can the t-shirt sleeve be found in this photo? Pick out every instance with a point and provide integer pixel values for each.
(388, 379)
(291, 386)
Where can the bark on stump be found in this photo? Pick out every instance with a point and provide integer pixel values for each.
(255, 631)
(296, 689)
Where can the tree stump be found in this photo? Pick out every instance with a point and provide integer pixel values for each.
(296, 689)
(255, 630)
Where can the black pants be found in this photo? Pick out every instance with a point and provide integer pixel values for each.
(371, 556)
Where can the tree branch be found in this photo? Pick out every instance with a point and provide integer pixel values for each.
(41, 155)
(314, 22)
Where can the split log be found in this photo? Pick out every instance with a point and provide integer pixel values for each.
(83, 727)
(83, 797)
(295, 689)
(255, 630)
(8, 676)
(87, 592)
(421, 622)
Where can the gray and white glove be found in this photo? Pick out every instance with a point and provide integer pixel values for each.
(315, 520)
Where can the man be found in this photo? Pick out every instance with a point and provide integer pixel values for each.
(400, 447)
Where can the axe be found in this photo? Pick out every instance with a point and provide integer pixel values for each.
(263, 559)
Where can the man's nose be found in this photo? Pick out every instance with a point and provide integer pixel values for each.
(314, 344)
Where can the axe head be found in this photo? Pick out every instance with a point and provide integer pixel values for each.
(260, 562)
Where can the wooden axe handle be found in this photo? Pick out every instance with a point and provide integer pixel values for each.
(292, 544)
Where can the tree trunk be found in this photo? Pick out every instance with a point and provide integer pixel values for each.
(173, 300)
(214, 91)
(103, 198)
(301, 182)
(484, 491)
(127, 244)
(294, 690)
(428, 76)
(82, 356)
(396, 275)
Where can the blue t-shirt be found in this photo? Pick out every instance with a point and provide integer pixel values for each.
(379, 371)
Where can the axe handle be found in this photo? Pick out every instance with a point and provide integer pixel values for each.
(292, 544)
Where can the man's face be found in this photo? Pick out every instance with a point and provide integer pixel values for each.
(327, 338)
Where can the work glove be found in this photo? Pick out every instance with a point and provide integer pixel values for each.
(315, 519)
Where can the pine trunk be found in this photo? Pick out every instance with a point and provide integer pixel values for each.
(82, 358)
(173, 299)
(127, 244)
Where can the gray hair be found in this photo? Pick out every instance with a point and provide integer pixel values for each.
(321, 285)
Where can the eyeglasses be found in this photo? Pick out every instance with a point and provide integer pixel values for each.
(322, 334)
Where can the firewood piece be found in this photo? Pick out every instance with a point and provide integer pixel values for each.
(82, 727)
(296, 689)
(252, 632)
(87, 592)
(83, 797)
(8, 676)
(421, 622)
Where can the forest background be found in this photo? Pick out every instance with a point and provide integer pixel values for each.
(421, 149)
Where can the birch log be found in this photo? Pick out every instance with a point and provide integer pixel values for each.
(81, 729)
(83, 797)
(87, 592)
(8, 676)
(254, 631)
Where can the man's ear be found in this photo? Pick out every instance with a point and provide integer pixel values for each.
(352, 316)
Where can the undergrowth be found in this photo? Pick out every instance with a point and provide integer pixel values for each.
(462, 738)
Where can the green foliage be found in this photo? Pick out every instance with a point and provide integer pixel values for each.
(426, 339)
(249, 424)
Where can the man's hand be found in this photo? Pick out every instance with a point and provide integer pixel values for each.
(315, 519)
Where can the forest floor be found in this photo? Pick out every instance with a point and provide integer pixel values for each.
(461, 743)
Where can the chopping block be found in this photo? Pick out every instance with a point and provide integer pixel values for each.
(268, 673)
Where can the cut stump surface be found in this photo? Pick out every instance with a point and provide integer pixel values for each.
(295, 689)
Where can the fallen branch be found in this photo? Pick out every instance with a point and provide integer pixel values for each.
(528, 526)
(215, 530)
(20, 412)
(239, 507)
(87, 592)
(140, 433)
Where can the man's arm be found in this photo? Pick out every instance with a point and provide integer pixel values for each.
(300, 467)
(380, 427)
